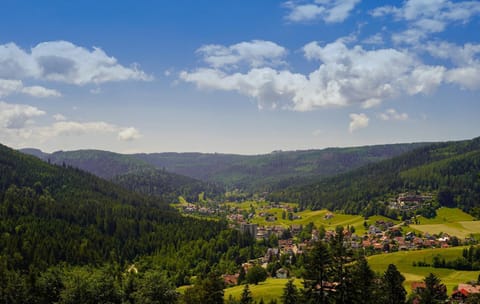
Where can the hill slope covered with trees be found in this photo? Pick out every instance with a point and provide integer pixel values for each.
(250, 173)
(132, 173)
(67, 236)
(451, 170)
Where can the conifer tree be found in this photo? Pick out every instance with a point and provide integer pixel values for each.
(392, 286)
(246, 296)
(360, 282)
(290, 293)
(318, 267)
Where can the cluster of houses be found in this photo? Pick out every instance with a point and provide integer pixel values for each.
(409, 201)
(380, 237)
(386, 237)
(191, 208)
(459, 295)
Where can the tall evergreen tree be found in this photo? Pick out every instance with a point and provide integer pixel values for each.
(392, 286)
(213, 289)
(290, 293)
(318, 267)
(246, 296)
(360, 282)
(340, 257)
(434, 291)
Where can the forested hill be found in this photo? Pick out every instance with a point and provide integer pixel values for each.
(51, 214)
(275, 170)
(451, 169)
(151, 173)
(132, 173)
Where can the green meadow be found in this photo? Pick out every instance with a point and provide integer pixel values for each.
(268, 290)
(404, 262)
(449, 220)
(315, 216)
(273, 288)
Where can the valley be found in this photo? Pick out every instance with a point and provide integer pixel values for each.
(195, 236)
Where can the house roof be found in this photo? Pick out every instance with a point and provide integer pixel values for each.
(469, 288)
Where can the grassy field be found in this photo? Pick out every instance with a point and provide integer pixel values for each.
(273, 288)
(270, 289)
(446, 215)
(449, 220)
(403, 260)
(307, 216)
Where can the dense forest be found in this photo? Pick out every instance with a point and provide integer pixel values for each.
(450, 170)
(67, 234)
(254, 173)
(133, 174)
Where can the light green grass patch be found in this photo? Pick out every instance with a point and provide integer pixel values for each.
(270, 289)
(404, 262)
(458, 229)
(446, 215)
(318, 218)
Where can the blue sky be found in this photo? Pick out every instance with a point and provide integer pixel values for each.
(237, 76)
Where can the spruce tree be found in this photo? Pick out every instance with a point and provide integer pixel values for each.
(360, 283)
(394, 292)
(290, 293)
(318, 267)
(246, 296)
(434, 292)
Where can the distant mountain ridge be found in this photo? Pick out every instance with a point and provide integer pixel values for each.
(132, 173)
(268, 172)
(449, 168)
(252, 173)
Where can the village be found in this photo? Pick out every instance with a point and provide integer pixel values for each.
(293, 237)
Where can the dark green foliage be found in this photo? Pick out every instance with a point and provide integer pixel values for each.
(154, 288)
(208, 290)
(241, 276)
(290, 293)
(361, 283)
(56, 215)
(168, 186)
(434, 291)
(277, 170)
(451, 168)
(90, 287)
(256, 274)
(318, 272)
(470, 260)
(392, 286)
(246, 297)
(473, 298)
(133, 173)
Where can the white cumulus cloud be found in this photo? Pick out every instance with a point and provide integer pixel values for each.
(425, 17)
(17, 116)
(344, 76)
(254, 53)
(392, 114)
(358, 121)
(329, 11)
(64, 61)
(11, 86)
(19, 126)
(39, 91)
(128, 134)
(465, 61)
